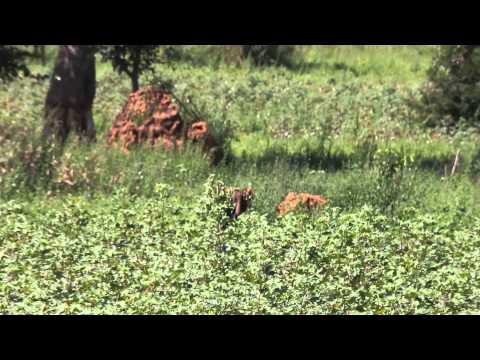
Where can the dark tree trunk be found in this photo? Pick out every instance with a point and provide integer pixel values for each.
(39, 53)
(135, 82)
(136, 71)
(70, 97)
(43, 57)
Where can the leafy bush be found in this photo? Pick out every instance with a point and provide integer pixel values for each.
(260, 55)
(452, 96)
(130, 255)
(269, 54)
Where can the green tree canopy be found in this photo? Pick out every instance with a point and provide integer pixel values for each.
(132, 60)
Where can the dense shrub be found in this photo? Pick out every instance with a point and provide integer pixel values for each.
(260, 55)
(269, 54)
(452, 96)
(165, 256)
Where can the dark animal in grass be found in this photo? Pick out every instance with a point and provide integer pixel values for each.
(241, 199)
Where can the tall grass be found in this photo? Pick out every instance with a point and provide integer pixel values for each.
(292, 129)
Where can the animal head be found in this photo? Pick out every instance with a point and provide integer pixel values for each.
(198, 130)
(242, 200)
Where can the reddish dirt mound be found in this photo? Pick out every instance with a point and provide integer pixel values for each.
(241, 199)
(150, 115)
(293, 200)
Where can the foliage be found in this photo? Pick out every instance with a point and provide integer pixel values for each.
(132, 60)
(452, 96)
(12, 62)
(129, 255)
(282, 133)
(91, 230)
(269, 54)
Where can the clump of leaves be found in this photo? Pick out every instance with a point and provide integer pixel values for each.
(451, 98)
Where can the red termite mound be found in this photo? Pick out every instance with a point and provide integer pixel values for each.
(293, 200)
(151, 116)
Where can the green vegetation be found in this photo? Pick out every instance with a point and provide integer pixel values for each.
(170, 256)
(92, 230)
(452, 97)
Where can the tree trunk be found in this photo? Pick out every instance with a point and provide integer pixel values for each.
(135, 83)
(39, 53)
(70, 97)
(233, 54)
(43, 57)
(136, 71)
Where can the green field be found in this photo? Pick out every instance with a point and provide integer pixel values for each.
(145, 233)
